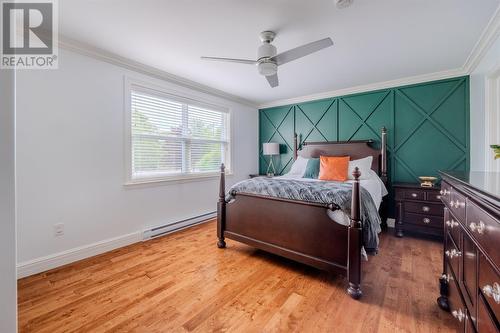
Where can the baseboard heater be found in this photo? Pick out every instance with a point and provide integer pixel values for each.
(176, 226)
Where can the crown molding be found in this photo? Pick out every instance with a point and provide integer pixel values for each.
(114, 59)
(368, 87)
(489, 35)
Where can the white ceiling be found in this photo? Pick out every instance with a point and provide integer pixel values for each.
(374, 40)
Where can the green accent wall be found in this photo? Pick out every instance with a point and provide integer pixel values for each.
(428, 126)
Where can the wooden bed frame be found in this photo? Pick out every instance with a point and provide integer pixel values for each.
(302, 231)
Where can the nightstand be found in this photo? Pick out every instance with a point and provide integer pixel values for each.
(418, 210)
(257, 175)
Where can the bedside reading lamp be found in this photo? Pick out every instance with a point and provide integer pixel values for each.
(271, 149)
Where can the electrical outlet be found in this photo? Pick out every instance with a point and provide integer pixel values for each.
(58, 229)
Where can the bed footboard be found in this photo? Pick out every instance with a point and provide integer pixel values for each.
(299, 231)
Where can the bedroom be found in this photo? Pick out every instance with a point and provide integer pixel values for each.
(117, 216)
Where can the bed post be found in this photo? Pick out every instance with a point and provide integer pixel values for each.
(383, 156)
(384, 209)
(221, 208)
(295, 146)
(354, 241)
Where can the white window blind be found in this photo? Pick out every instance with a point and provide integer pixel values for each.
(173, 137)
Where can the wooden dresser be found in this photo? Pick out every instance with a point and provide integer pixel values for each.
(418, 210)
(470, 284)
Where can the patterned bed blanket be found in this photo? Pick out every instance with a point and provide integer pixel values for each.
(323, 192)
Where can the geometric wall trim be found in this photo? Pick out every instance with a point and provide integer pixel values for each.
(428, 126)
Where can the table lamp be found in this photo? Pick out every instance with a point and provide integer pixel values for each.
(271, 149)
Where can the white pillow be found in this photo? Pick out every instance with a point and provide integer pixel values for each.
(364, 165)
(298, 167)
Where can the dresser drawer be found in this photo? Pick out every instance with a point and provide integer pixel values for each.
(469, 327)
(485, 229)
(457, 307)
(485, 323)
(424, 220)
(424, 208)
(453, 255)
(445, 192)
(489, 285)
(433, 196)
(452, 226)
(469, 274)
(457, 205)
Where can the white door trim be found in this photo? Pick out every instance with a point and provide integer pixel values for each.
(492, 117)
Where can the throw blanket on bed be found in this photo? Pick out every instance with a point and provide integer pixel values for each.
(323, 192)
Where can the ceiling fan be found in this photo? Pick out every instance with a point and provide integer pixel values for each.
(268, 60)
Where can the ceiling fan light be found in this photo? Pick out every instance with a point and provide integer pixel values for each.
(267, 68)
(343, 3)
(266, 50)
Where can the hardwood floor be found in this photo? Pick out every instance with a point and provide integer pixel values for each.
(183, 282)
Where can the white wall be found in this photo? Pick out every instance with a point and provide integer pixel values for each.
(8, 284)
(70, 160)
(480, 151)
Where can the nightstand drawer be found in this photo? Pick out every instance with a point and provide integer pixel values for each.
(424, 220)
(423, 208)
(433, 196)
(414, 195)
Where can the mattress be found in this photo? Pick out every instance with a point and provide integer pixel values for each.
(374, 185)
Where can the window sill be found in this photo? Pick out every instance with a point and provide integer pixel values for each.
(174, 180)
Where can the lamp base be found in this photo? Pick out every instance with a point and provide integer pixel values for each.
(270, 168)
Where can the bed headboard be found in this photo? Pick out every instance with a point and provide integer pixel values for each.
(356, 149)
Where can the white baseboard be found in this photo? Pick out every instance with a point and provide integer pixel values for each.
(391, 223)
(43, 264)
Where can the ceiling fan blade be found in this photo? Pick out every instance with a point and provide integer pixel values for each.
(273, 80)
(240, 61)
(302, 51)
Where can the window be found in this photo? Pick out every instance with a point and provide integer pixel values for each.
(174, 137)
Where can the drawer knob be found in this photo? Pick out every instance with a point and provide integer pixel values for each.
(444, 192)
(492, 292)
(459, 204)
(479, 227)
(426, 220)
(452, 224)
(414, 195)
(446, 277)
(438, 197)
(453, 253)
(458, 314)
(452, 203)
(426, 208)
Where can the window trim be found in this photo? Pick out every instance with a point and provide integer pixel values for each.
(192, 98)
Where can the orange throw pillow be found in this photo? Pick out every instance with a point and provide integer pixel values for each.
(333, 168)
